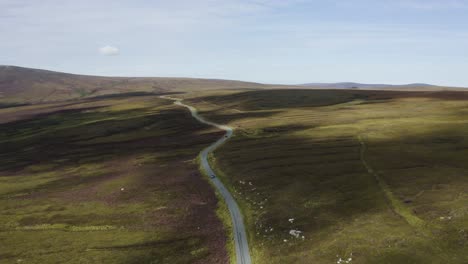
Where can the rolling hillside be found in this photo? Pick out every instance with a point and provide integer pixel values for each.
(106, 180)
(25, 85)
(346, 176)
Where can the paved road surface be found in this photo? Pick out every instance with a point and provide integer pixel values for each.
(240, 237)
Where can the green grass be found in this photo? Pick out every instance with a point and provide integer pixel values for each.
(396, 205)
(107, 181)
(400, 198)
(398, 195)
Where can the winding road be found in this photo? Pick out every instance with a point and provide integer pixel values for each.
(240, 237)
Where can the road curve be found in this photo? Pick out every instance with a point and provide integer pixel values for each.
(240, 237)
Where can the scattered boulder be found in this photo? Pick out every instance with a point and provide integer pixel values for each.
(295, 233)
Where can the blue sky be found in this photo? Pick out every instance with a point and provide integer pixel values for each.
(272, 41)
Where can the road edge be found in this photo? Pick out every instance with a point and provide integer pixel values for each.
(238, 227)
(222, 211)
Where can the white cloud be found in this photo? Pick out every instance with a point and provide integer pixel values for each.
(109, 50)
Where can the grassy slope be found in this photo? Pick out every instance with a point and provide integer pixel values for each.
(298, 155)
(24, 85)
(61, 173)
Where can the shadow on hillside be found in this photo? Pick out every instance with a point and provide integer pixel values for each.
(79, 151)
(67, 138)
(221, 117)
(323, 185)
(64, 136)
(322, 182)
(128, 95)
(298, 98)
(10, 105)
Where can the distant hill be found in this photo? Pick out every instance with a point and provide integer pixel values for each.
(403, 87)
(25, 85)
(20, 85)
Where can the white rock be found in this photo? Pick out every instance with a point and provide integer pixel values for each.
(291, 220)
(122, 189)
(295, 233)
